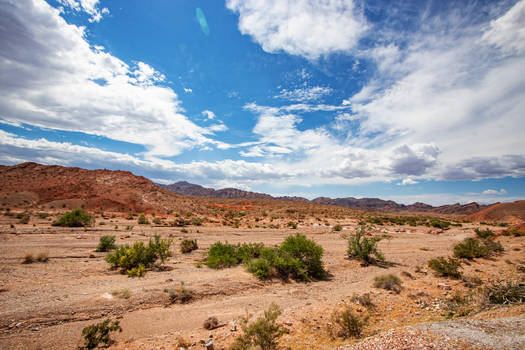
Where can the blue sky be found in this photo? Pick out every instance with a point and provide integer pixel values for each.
(403, 100)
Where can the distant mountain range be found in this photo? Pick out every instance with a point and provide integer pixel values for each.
(369, 204)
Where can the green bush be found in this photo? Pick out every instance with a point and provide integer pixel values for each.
(292, 224)
(75, 218)
(301, 257)
(349, 323)
(483, 233)
(337, 228)
(444, 267)
(262, 334)
(188, 245)
(142, 220)
(134, 259)
(223, 255)
(106, 243)
(439, 224)
(472, 248)
(24, 218)
(388, 282)
(364, 248)
(505, 292)
(99, 333)
(260, 268)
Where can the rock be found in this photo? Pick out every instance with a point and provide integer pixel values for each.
(209, 344)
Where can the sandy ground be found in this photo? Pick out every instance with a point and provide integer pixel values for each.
(46, 305)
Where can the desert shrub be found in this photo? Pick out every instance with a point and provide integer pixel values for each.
(263, 333)
(337, 228)
(483, 233)
(188, 245)
(123, 293)
(364, 248)
(196, 221)
(260, 268)
(222, 255)
(157, 221)
(42, 257)
(514, 231)
(471, 248)
(134, 259)
(300, 258)
(142, 220)
(388, 282)
(211, 323)
(445, 267)
(106, 243)
(42, 215)
(471, 281)
(364, 300)
(99, 333)
(505, 292)
(180, 295)
(459, 305)
(75, 218)
(24, 218)
(28, 259)
(292, 224)
(439, 224)
(349, 324)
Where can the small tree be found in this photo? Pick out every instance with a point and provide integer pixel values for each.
(362, 248)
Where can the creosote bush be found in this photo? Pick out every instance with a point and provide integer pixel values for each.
(445, 267)
(263, 333)
(348, 323)
(106, 243)
(388, 282)
(471, 248)
(99, 333)
(188, 245)
(134, 259)
(75, 218)
(364, 248)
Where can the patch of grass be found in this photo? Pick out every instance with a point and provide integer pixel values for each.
(445, 267)
(122, 294)
(347, 323)
(97, 334)
(388, 282)
(188, 245)
(364, 248)
(471, 248)
(75, 218)
(263, 333)
(364, 300)
(106, 243)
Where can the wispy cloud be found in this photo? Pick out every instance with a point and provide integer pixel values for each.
(308, 94)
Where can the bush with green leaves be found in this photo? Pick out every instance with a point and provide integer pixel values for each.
(75, 218)
(364, 248)
(439, 224)
(99, 333)
(292, 224)
(347, 323)
(263, 333)
(445, 267)
(337, 228)
(134, 259)
(388, 282)
(487, 233)
(471, 248)
(188, 245)
(106, 243)
(300, 258)
(223, 255)
(142, 220)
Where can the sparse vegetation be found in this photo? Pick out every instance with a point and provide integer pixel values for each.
(388, 282)
(263, 333)
(188, 245)
(180, 295)
(364, 248)
(337, 228)
(472, 248)
(142, 220)
(75, 218)
(106, 243)
(99, 333)
(28, 259)
(505, 292)
(122, 294)
(348, 323)
(445, 267)
(483, 233)
(136, 258)
(363, 300)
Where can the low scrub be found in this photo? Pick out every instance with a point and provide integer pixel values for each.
(99, 333)
(364, 248)
(472, 248)
(297, 257)
(439, 224)
(188, 245)
(75, 218)
(106, 243)
(363, 300)
(483, 233)
(388, 282)
(263, 333)
(142, 220)
(347, 323)
(180, 295)
(134, 259)
(505, 292)
(445, 267)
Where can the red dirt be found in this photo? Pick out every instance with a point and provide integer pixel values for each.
(501, 212)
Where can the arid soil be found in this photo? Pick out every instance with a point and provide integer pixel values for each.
(46, 305)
